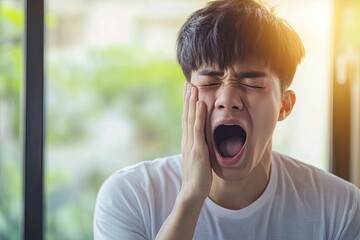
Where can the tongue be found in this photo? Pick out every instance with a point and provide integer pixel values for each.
(231, 146)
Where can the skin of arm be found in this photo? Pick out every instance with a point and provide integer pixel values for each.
(197, 177)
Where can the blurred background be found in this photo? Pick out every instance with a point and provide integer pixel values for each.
(114, 97)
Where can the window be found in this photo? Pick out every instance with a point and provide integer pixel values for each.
(11, 118)
(113, 98)
(305, 134)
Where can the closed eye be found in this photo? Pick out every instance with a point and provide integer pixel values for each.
(252, 86)
(253, 79)
(257, 82)
(210, 77)
(208, 81)
(209, 84)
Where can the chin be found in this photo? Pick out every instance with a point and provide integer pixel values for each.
(232, 172)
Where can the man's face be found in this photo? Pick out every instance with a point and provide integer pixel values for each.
(243, 102)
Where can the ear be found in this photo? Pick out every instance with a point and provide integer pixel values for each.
(287, 104)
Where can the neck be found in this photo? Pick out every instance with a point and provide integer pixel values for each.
(240, 194)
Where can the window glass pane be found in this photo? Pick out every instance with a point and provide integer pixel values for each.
(11, 119)
(304, 135)
(114, 96)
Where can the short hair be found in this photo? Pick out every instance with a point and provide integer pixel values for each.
(225, 32)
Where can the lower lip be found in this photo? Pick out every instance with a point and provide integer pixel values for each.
(229, 161)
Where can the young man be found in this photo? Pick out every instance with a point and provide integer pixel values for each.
(239, 60)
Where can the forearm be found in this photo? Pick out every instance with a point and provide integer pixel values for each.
(197, 174)
(181, 222)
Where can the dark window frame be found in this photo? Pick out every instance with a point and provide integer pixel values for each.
(34, 121)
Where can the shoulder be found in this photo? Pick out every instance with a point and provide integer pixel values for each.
(311, 184)
(141, 175)
(305, 174)
(127, 199)
(320, 195)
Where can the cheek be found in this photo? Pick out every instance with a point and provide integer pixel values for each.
(207, 97)
(266, 111)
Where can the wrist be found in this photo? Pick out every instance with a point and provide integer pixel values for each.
(190, 199)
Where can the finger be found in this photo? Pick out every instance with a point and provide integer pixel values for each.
(185, 113)
(199, 126)
(191, 115)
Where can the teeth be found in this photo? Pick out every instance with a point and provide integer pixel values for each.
(229, 124)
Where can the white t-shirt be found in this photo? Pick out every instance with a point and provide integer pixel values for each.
(300, 202)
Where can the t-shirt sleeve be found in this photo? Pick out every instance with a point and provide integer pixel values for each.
(351, 219)
(117, 212)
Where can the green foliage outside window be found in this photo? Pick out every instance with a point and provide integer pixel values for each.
(11, 71)
(142, 86)
(147, 91)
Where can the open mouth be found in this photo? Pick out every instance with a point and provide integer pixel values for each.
(229, 140)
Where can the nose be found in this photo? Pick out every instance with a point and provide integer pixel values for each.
(229, 98)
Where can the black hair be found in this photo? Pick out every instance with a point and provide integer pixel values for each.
(227, 31)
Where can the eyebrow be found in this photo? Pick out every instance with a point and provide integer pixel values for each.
(250, 74)
(211, 73)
